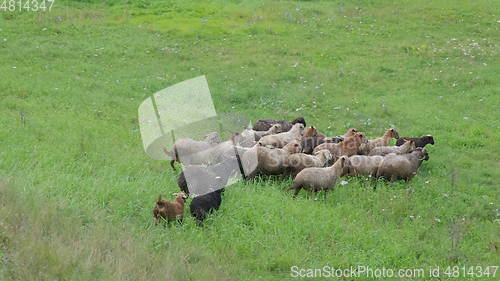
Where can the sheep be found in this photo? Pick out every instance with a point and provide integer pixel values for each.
(419, 142)
(197, 178)
(169, 211)
(348, 147)
(309, 143)
(265, 124)
(407, 147)
(300, 161)
(350, 132)
(363, 165)
(275, 129)
(187, 150)
(313, 132)
(281, 139)
(202, 205)
(382, 141)
(402, 166)
(318, 179)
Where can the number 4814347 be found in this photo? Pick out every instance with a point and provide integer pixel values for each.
(26, 5)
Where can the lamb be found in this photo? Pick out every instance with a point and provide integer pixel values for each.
(169, 211)
(318, 179)
(281, 139)
(275, 129)
(202, 205)
(348, 147)
(265, 124)
(363, 165)
(300, 161)
(419, 142)
(403, 166)
(197, 178)
(382, 141)
(407, 147)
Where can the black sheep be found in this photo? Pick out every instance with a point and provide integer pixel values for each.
(205, 204)
(265, 124)
(419, 142)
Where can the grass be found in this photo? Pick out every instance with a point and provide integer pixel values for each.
(78, 188)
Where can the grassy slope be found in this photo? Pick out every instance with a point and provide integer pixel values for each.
(82, 70)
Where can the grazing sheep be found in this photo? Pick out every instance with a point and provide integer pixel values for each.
(348, 147)
(198, 179)
(407, 147)
(188, 151)
(419, 142)
(265, 124)
(275, 129)
(363, 165)
(281, 139)
(402, 166)
(202, 205)
(169, 211)
(300, 161)
(385, 140)
(318, 179)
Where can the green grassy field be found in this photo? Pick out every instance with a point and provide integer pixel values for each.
(77, 189)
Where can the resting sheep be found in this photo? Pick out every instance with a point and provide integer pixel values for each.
(169, 211)
(318, 179)
(419, 142)
(281, 139)
(407, 147)
(403, 166)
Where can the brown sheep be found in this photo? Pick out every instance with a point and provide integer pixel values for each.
(348, 147)
(419, 142)
(350, 132)
(169, 211)
(265, 124)
(385, 140)
(403, 166)
(300, 161)
(318, 179)
(281, 139)
(407, 147)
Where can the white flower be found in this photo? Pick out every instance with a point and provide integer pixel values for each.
(344, 182)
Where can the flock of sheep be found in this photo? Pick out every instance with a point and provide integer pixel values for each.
(276, 147)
